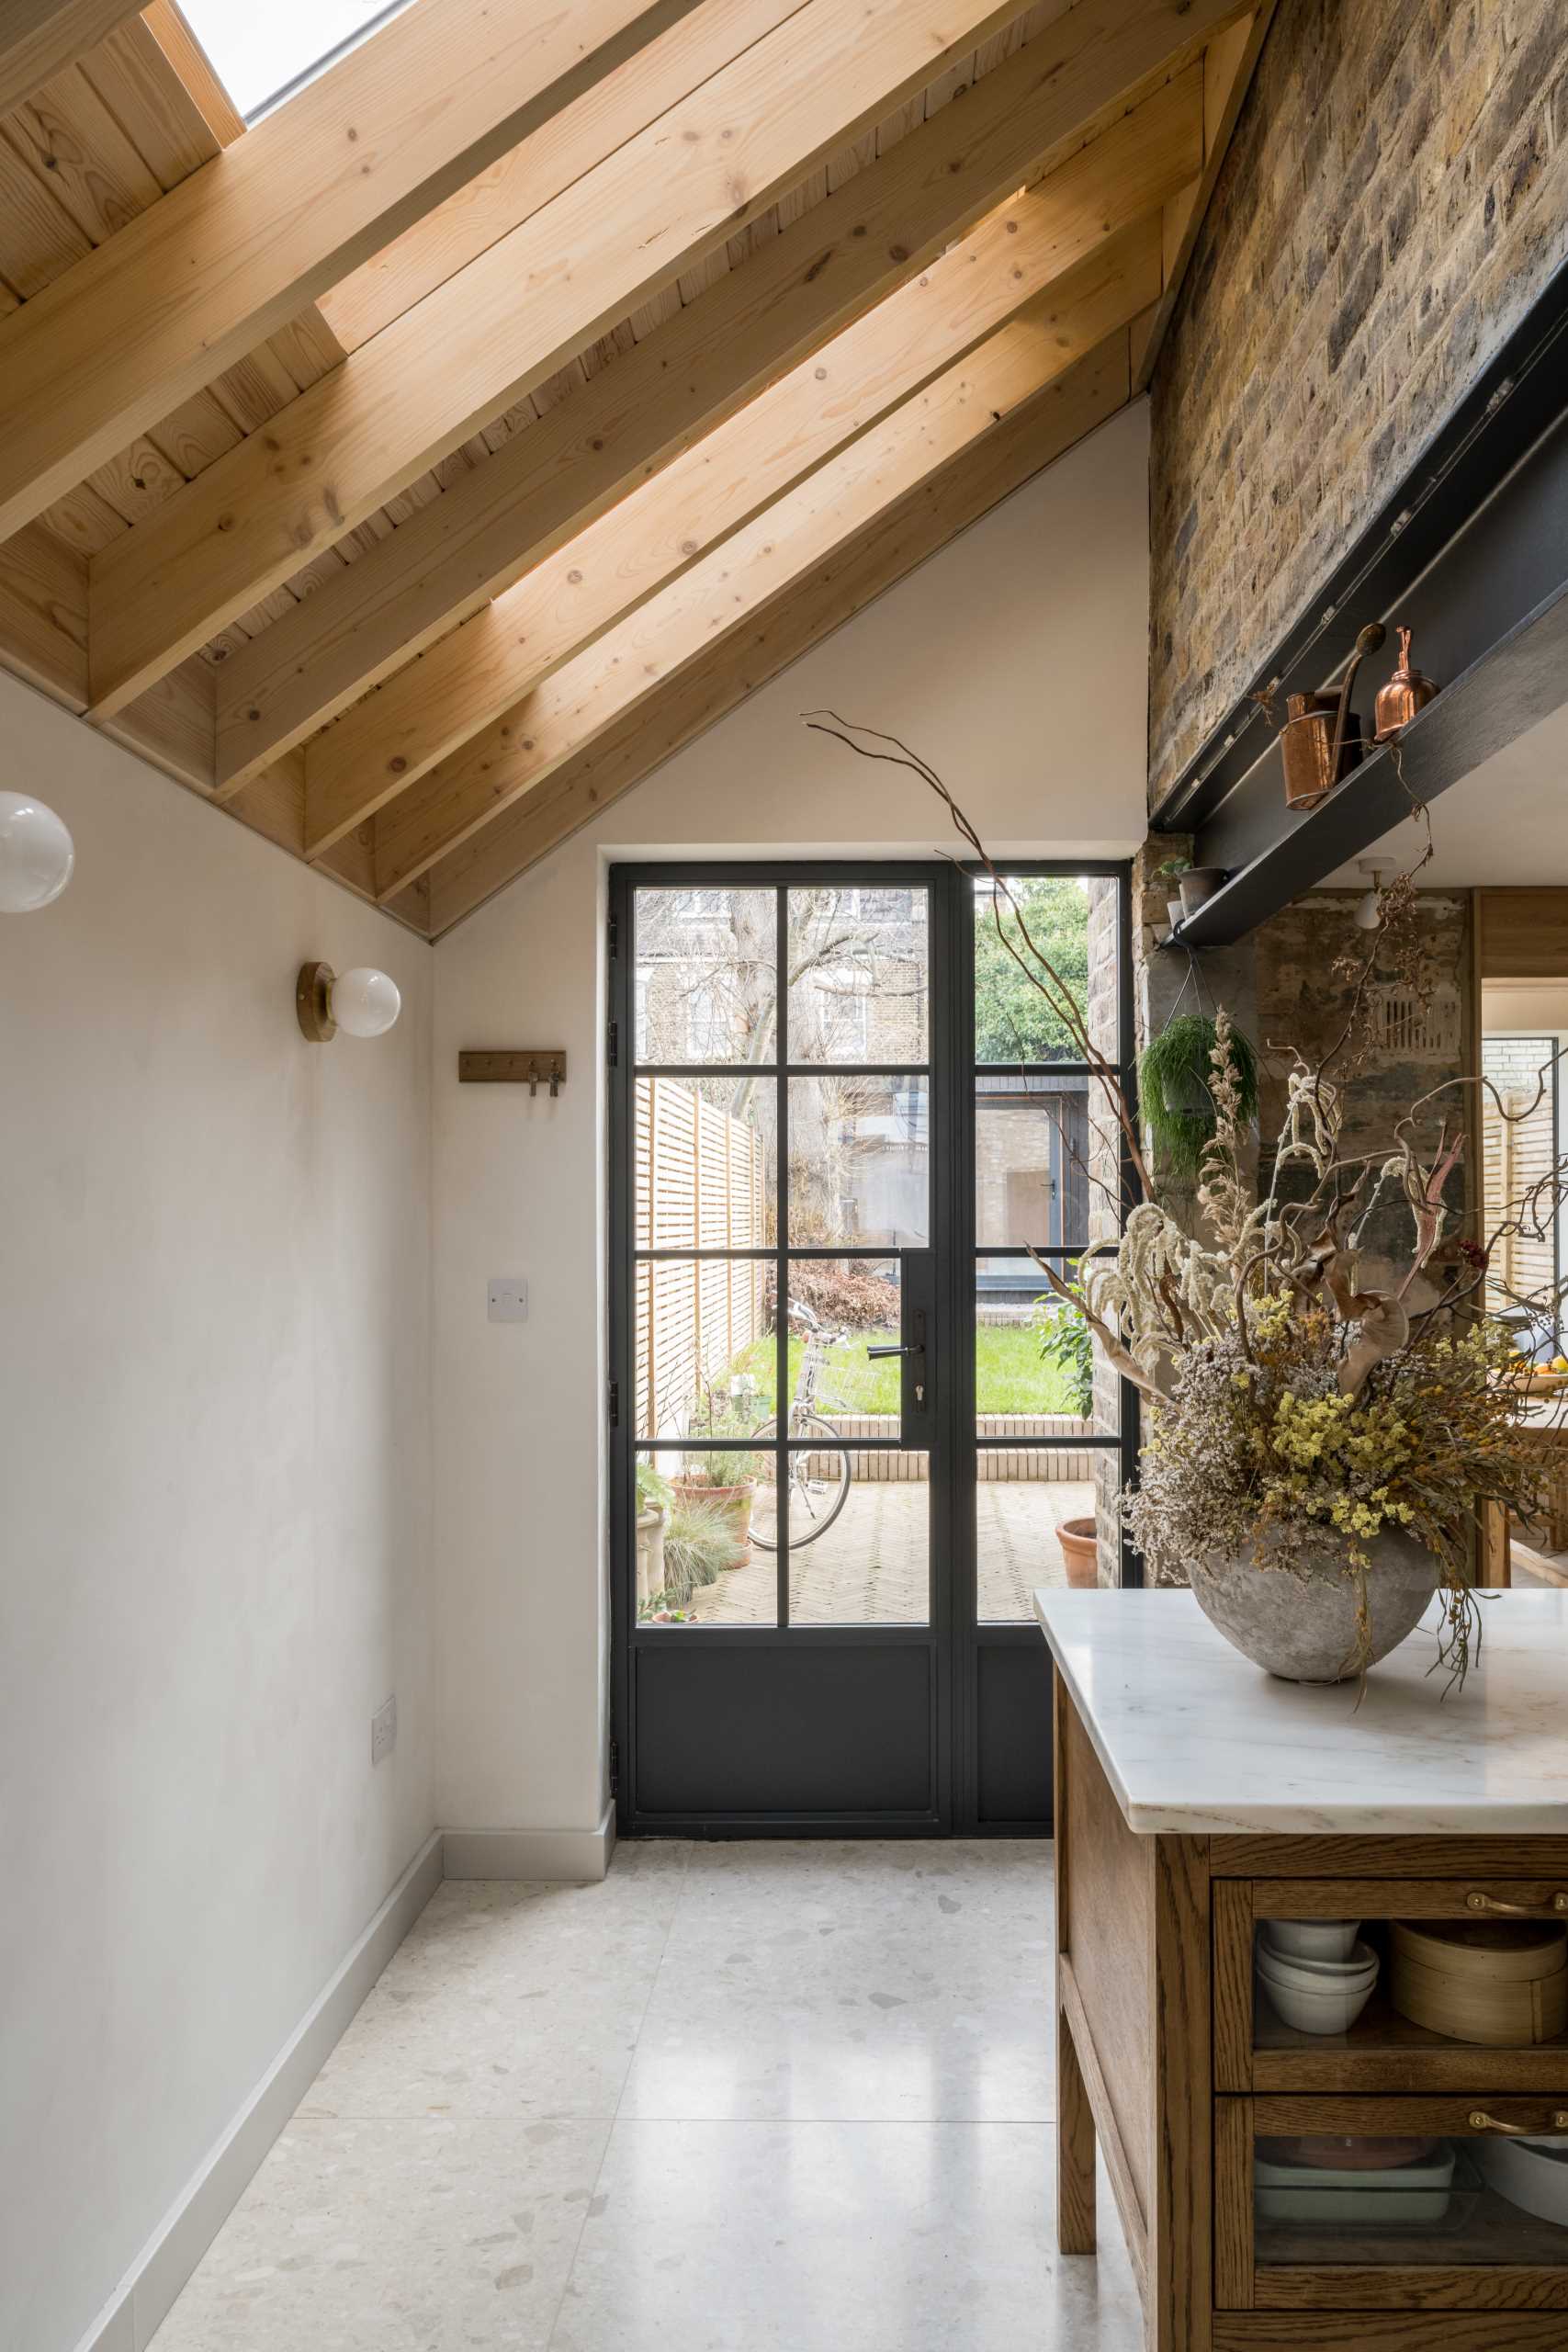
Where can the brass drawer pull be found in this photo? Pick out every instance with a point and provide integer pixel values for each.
(1476, 1901)
(1481, 2121)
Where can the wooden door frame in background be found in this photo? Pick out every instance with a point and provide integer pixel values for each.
(1516, 933)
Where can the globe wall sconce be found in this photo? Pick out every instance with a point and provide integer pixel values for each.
(363, 1003)
(37, 854)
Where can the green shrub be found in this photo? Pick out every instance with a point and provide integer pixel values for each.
(1066, 1343)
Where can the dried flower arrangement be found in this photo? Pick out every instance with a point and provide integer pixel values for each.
(1303, 1411)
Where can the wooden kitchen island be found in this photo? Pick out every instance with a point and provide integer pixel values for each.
(1197, 1797)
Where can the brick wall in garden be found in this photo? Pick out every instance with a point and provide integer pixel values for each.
(1395, 199)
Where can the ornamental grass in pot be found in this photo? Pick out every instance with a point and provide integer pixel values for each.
(1322, 1426)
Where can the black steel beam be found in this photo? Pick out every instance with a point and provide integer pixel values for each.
(1519, 681)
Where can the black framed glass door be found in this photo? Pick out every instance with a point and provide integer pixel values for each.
(820, 1330)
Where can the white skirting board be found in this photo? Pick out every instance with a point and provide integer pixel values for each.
(141, 2300)
(579, 1854)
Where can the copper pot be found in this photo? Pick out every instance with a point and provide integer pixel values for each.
(1318, 743)
(1314, 762)
(1408, 692)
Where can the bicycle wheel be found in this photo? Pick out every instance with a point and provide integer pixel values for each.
(819, 1485)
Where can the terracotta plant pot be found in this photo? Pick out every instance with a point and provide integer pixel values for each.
(1079, 1540)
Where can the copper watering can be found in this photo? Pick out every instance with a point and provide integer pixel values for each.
(1313, 740)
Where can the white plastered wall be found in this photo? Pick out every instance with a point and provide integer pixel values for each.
(214, 1497)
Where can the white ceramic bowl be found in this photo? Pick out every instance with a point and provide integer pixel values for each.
(1312, 1938)
(1361, 1961)
(1531, 2174)
(1332, 2010)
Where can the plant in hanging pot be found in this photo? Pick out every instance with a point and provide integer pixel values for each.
(1322, 1432)
(1175, 1090)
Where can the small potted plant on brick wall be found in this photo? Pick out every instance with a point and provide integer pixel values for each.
(1170, 873)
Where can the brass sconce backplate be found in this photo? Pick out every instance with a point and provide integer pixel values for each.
(312, 999)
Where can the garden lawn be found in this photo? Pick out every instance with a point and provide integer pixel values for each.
(1010, 1376)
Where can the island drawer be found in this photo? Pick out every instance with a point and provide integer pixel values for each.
(1366, 1986)
(1391, 2205)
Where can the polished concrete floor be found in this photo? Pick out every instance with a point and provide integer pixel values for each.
(752, 2097)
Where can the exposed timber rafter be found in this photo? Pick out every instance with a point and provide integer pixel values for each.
(903, 535)
(243, 246)
(1042, 239)
(889, 222)
(1229, 64)
(785, 541)
(393, 407)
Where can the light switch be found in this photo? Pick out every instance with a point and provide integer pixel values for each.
(508, 1298)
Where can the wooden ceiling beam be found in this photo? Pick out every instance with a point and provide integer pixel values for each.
(683, 706)
(785, 543)
(251, 239)
(1044, 239)
(455, 231)
(41, 37)
(502, 325)
(1228, 65)
(887, 223)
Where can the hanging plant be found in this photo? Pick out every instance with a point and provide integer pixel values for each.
(1175, 1075)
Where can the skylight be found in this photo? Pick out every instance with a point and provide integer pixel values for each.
(262, 54)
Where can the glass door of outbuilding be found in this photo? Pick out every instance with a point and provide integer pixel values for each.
(843, 1432)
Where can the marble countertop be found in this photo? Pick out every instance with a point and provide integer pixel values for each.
(1194, 1738)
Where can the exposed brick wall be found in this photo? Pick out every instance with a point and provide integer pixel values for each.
(1304, 1002)
(1395, 198)
(1281, 987)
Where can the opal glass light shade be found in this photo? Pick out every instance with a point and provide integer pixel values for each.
(37, 854)
(365, 1002)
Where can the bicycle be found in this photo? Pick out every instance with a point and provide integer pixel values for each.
(817, 1495)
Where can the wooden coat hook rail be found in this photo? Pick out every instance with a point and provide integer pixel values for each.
(530, 1066)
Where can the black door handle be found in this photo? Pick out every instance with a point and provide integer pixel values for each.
(917, 1351)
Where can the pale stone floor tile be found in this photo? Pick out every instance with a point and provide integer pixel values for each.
(835, 2237)
(396, 2237)
(773, 2096)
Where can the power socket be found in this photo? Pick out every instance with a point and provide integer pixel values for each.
(384, 1730)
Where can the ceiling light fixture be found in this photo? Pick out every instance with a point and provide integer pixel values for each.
(1369, 913)
(37, 854)
(364, 1002)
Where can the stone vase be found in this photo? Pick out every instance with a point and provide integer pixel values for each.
(1302, 1626)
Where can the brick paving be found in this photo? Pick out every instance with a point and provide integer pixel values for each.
(870, 1567)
